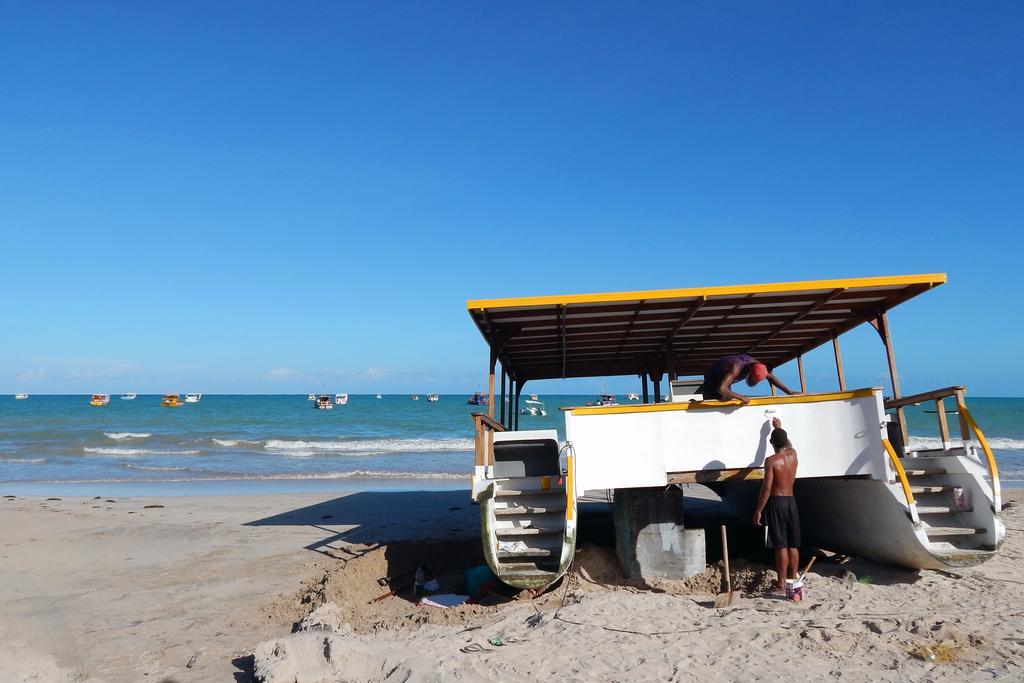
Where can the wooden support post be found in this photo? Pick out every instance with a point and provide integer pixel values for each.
(670, 365)
(965, 429)
(803, 380)
(882, 325)
(518, 393)
(643, 386)
(502, 412)
(478, 442)
(772, 386)
(656, 380)
(940, 411)
(839, 363)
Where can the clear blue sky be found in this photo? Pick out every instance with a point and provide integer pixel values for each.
(260, 197)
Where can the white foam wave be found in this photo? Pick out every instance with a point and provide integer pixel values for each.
(25, 461)
(154, 468)
(135, 451)
(278, 476)
(997, 443)
(370, 446)
(121, 436)
(231, 443)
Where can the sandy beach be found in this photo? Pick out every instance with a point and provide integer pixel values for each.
(212, 588)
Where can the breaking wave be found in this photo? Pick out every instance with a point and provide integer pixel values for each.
(24, 461)
(121, 436)
(154, 468)
(231, 443)
(996, 443)
(134, 451)
(370, 445)
(280, 476)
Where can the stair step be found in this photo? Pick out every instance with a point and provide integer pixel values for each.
(528, 531)
(528, 510)
(930, 489)
(918, 472)
(531, 552)
(953, 531)
(939, 509)
(502, 493)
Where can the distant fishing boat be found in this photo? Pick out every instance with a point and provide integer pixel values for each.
(605, 400)
(340, 399)
(99, 400)
(535, 408)
(478, 399)
(632, 396)
(323, 402)
(534, 397)
(433, 398)
(171, 401)
(193, 398)
(378, 397)
(310, 397)
(20, 397)
(128, 397)
(414, 397)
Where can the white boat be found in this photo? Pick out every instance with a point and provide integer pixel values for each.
(340, 399)
(860, 490)
(433, 398)
(128, 397)
(193, 398)
(534, 397)
(605, 400)
(323, 402)
(632, 397)
(310, 397)
(20, 397)
(378, 397)
(414, 397)
(535, 408)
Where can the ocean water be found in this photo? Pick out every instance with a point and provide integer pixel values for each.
(264, 443)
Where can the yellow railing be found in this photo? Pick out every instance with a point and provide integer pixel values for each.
(904, 482)
(993, 471)
(570, 486)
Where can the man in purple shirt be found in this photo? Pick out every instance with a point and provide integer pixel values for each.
(727, 370)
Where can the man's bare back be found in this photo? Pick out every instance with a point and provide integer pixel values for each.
(783, 471)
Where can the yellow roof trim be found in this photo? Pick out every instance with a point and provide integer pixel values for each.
(776, 287)
(754, 401)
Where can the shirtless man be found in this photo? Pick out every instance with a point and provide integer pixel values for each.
(777, 502)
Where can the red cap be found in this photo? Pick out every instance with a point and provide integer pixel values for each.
(758, 372)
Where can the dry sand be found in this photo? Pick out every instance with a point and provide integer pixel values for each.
(93, 593)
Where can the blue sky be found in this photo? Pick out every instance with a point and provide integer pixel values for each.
(277, 197)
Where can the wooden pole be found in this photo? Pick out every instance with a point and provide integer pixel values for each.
(890, 354)
(643, 386)
(940, 411)
(839, 363)
(965, 429)
(656, 380)
(502, 412)
(490, 386)
(803, 380)
(519, 392)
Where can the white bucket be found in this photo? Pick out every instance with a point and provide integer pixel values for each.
(795, 589)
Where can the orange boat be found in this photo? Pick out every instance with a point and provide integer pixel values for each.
(171, 401)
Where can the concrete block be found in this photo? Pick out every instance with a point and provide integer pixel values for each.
(650, 539)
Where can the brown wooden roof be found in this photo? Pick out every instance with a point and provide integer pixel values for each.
(627, 333)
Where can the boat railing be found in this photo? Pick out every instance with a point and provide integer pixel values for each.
(967, 425)
(484, 428)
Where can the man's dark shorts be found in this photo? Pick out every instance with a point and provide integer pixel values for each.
(783, 521)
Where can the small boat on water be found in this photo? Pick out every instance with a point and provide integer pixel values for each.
(433, 398)
(534, 397)
(323, 402)
(99, 400)
(632, 396)
(20, 397)
(478, 399)
(171, 401)
(310, 397)
(414, 397)
(605, 400)
(193, 398)
(128, 397)
(378, 397)
(535, 408)
(340, 399)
